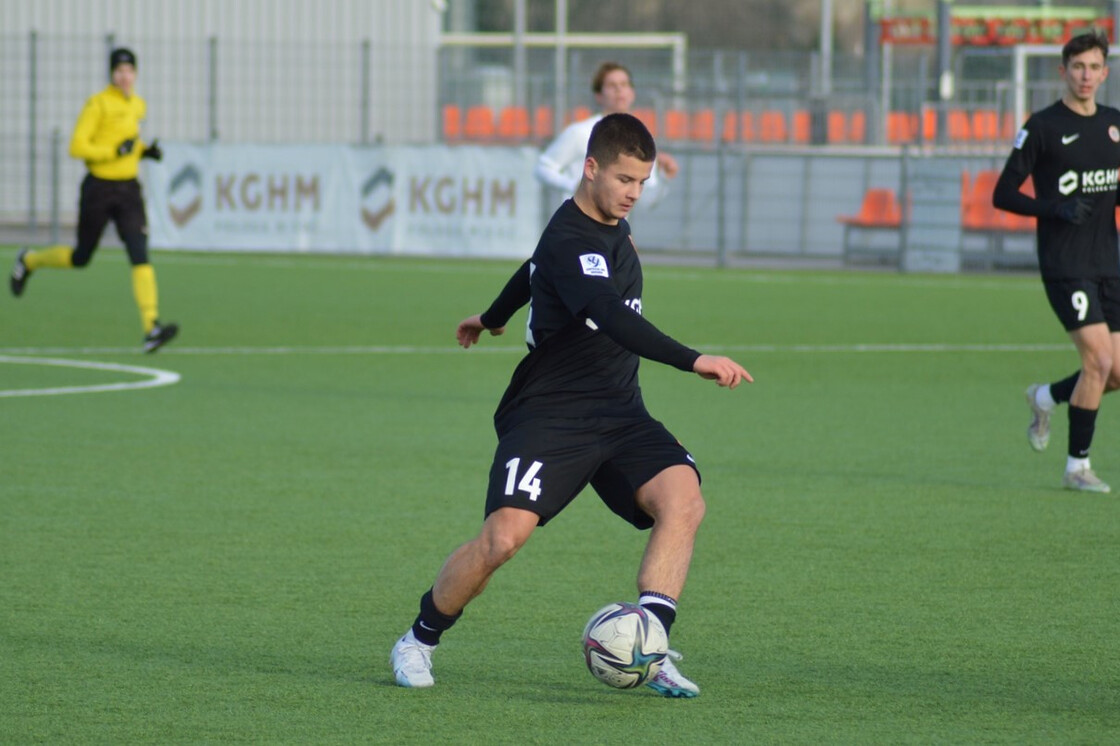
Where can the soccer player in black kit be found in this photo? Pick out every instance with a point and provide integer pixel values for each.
(573, 413)
(1072, 151)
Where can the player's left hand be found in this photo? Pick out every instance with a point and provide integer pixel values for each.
(471, 328)
(152, 151)
(722, 370)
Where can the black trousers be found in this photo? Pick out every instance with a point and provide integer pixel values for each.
(122, 202)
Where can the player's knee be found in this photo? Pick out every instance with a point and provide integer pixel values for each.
(1098, 367)
(685, 509)
(1113, 381)
(498, 547)
(693, 508)
(78, 260)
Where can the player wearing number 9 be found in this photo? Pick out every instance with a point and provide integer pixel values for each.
(1071, 150)
(573, 413)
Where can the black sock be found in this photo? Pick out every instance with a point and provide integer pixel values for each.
(661, 606)
(431, 622)
(1082, 422)
(1062, 390)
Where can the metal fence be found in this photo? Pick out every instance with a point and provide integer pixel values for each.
(205, 90)
(744, 189)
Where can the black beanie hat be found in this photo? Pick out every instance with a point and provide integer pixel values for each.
(121, 56)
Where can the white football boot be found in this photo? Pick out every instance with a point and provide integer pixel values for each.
(412, 662)
(1084, 480)
(1038, 432)
(669, 681)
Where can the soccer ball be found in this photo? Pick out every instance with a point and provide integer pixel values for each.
(624, 645)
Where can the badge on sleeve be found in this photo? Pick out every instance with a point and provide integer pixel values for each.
(1020, 139)
(594, 265)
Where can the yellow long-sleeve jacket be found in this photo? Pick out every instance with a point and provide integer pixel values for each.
(108, 119)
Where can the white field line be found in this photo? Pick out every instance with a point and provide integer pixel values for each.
(502, 268)
(870, 347)
(156, 377)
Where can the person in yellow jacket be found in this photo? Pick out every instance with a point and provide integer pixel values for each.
(107, 138)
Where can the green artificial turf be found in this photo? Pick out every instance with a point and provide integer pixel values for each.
(230, 558)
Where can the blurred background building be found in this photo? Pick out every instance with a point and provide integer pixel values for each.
(775, 107)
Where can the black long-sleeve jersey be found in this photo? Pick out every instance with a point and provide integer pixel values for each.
(1069, 156)
(585, 330)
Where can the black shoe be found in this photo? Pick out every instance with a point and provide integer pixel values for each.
(20, 273)
(160, 335)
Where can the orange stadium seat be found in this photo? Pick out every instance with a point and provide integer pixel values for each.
(929, 124)
(857, 127)
(837, 127)
(985, 125)
(772, 127)
(513, 123)
(960, 129)
(730, 126)
(578, 114)
(802, 127)
(479, 124)
(1007, 126)
(702, 126)
(676, 124)
(902, 126)
(977, 211)
(542, 122)
(748, 130)
(979, 214)
(452, 122)
(880, 209)
(649, 119)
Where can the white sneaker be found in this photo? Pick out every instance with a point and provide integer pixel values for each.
(412, 662)
(669, 681)
(1084, 480)
(1038, 433)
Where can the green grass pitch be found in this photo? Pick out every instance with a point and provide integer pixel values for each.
(230, 558)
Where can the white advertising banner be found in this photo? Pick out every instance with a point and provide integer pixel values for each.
(439, 200)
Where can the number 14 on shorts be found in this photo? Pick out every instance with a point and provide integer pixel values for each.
(529, 482)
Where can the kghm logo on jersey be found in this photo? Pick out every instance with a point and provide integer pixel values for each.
(1090, 182)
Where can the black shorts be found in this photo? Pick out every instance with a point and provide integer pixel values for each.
(541, 465)
(122, 202)
(1079, 303)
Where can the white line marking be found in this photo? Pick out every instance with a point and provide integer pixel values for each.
(872, 347)
(502, 267)
(158, 377)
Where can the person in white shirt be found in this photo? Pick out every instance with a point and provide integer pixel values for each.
(560, 165)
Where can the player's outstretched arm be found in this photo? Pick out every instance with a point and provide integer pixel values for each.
(722, 370)
(470, 328)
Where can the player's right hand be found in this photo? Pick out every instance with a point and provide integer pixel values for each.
(722, 370)
(126, 147)
(470, 328)
(1076, 210)
(153, 151)
(668, 165)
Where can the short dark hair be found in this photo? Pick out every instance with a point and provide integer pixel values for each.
(620, 134)
(1083, 43)
(604, 70)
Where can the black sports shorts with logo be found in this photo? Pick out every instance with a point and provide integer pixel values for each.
(542, 464)
(1079, 303)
